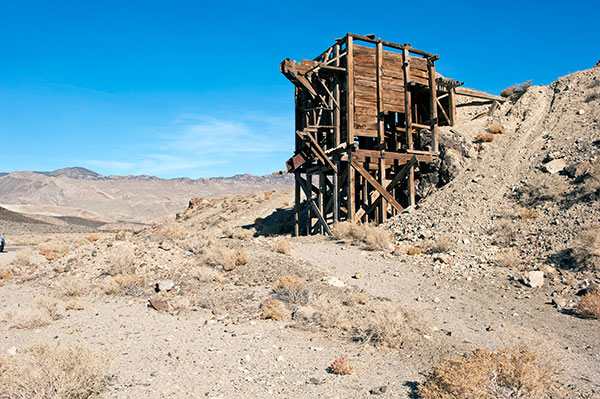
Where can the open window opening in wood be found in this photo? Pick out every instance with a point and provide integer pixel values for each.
(367, 116)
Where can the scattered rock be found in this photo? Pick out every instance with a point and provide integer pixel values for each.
(158, 304)
(303, 313)
(534, 279)
(121, 235)
(559, 302)
(550, 271)
(334, 281)
(165, 285)
(443, 258)
(593, 287)
(165, 246)
(581, 112)
(490, 328)
(379, 390)
(555, 166)
(495, 128)
(578, 169)
(12, 351)
(314, 381)
(357, 275)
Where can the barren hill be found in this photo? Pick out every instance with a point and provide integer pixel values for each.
(80, 192)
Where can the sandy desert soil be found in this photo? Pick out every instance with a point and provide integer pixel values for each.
(442, 286)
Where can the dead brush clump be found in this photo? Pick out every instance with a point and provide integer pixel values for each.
(238, 233)
(70, 287)
(442, 244)
(23, 257)
(54, 372)
(54, 249)
(226, 258)
(389, 326)
(5, 274)
(282, 246)
(586, 250)
(274, 310)
(508, 258)
(516, 90)
(292, 290)
(495, 128)
(372, 237)
(92, 237)
(341, 366)
(177, 234)
(490, 375)
(528, 214)
(505, 232)
(50, 305)
(28, 318)
(543, 188)
(483, 138)
(120, 260)
(195, 244)
(588, 305)
(125, 285)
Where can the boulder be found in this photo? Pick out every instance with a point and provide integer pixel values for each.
(534, 279)
(578, 169)
(555, 166)
(165, 285)
(334, 281)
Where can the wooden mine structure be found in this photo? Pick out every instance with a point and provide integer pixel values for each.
(367, 117)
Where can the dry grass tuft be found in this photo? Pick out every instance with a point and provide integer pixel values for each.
(92, 237)
(413, 251)
(361, 298)
(508, 258)
(177, 234)
(342, 366)
(292, 290)
(588, 305)
(505, 232)
(517, 89)
(274, 310)
(54, 249)
(125, 284)
(442, 244)
(74, 305)
(490, 375)
(373, 237)
(23, 257)
(71, 287)
(5, 274)
(586, 250)
(120, 260)
(50, 305)
(54, 372)
(282, 246)
(528, 214)
(389, 326)
(29, 318)
(226, 258)
(484, 138)
(495, 128)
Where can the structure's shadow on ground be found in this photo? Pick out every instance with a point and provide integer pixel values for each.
(280, 222)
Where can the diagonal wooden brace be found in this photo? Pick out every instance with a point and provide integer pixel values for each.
(377, 186)
(320, 153)
(312, 204)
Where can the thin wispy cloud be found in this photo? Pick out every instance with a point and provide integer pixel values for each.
(198, 145)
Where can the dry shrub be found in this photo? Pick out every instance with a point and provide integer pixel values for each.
(389, 326)
(238, 233)
(205, 274)
(226, 258)
(274, 310)
(588, 305)
(442, 244)
(54, 372)
(5, 274)
(125, 284)
(517, 89)
(292, 290)
(484, 138)
(505, 232)
(282, 246)
(373, 237)
(342, 366)
(495, 128)
(54, 249)
(92, 237)
(413, 251)
(490, 375)
(50, 305)
(543, 188)
(527, 214)
(329, 312)
(195, 244)
(177, 234)
(23, 257)
(586, 250)
(120, 260)
(29, 318)
(361, 298)
(508, 258)
(71, 287)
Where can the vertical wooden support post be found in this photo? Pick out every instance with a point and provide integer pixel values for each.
(350, 121)
(452, 102)
(433, 102)
(337, 137)
(322, 200)
(380, 127)
(308, 208)
(297, 205)
(408, 116)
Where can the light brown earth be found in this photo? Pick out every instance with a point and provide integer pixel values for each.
(213, 341)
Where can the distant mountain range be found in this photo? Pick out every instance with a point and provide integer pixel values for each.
(80, 192)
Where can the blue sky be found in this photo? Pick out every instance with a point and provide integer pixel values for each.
(185, 88)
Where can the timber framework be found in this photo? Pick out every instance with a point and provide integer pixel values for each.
(367, 115)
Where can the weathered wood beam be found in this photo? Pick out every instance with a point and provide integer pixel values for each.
(465, 91)
(376, 185)
(312, 205)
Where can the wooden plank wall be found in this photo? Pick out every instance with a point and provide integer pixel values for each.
(365, 85)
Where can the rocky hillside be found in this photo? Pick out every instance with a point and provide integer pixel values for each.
(79, 192)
